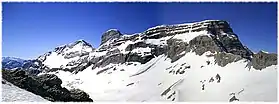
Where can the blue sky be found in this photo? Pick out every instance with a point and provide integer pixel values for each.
(31, 29)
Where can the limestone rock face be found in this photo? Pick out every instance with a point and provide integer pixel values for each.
(262, 60)
(221, 39)
(222, 59)
(175, 47)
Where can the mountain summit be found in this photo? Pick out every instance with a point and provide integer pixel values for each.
(110, 34)
(67, 56)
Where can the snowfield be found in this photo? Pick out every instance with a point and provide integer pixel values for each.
(11, 93)
(182, 80)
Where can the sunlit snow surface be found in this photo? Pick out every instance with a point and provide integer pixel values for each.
(55, 60)
(147, 82)
(11, 93)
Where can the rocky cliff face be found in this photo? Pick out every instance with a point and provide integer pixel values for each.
(174, 41)
(263, 59)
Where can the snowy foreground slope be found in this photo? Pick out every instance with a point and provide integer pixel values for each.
(200, 61)
(11, 93)
(184, 86)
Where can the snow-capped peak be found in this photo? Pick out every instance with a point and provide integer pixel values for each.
(263, 51)
(11, 62)
(67, 56)
(109, 30)
(82, 42)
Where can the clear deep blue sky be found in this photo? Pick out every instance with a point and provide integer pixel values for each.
(31, 29)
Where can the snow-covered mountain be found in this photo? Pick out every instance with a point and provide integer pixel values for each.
(199, 61)
(14, 63)
(11, 62)
(70, 56)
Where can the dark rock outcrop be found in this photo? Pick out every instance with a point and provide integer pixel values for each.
(35, 64)
(115, 59)
(202, 44)
(262, 60)
(222, 59)
(133, 57)
(175, 48)
(43, 57)
(130, 47)
(47, 85)
(78, 94)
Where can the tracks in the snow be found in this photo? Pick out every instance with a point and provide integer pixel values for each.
(170, 93)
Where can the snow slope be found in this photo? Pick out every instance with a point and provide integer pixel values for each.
(157, 81)
(11, 93)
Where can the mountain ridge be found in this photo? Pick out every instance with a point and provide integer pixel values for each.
(219, 31)
(155, 62)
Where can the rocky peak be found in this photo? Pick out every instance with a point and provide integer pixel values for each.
(110, 34)
(219, 31)
(175, 41)
(80, 42)
(227, 40)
